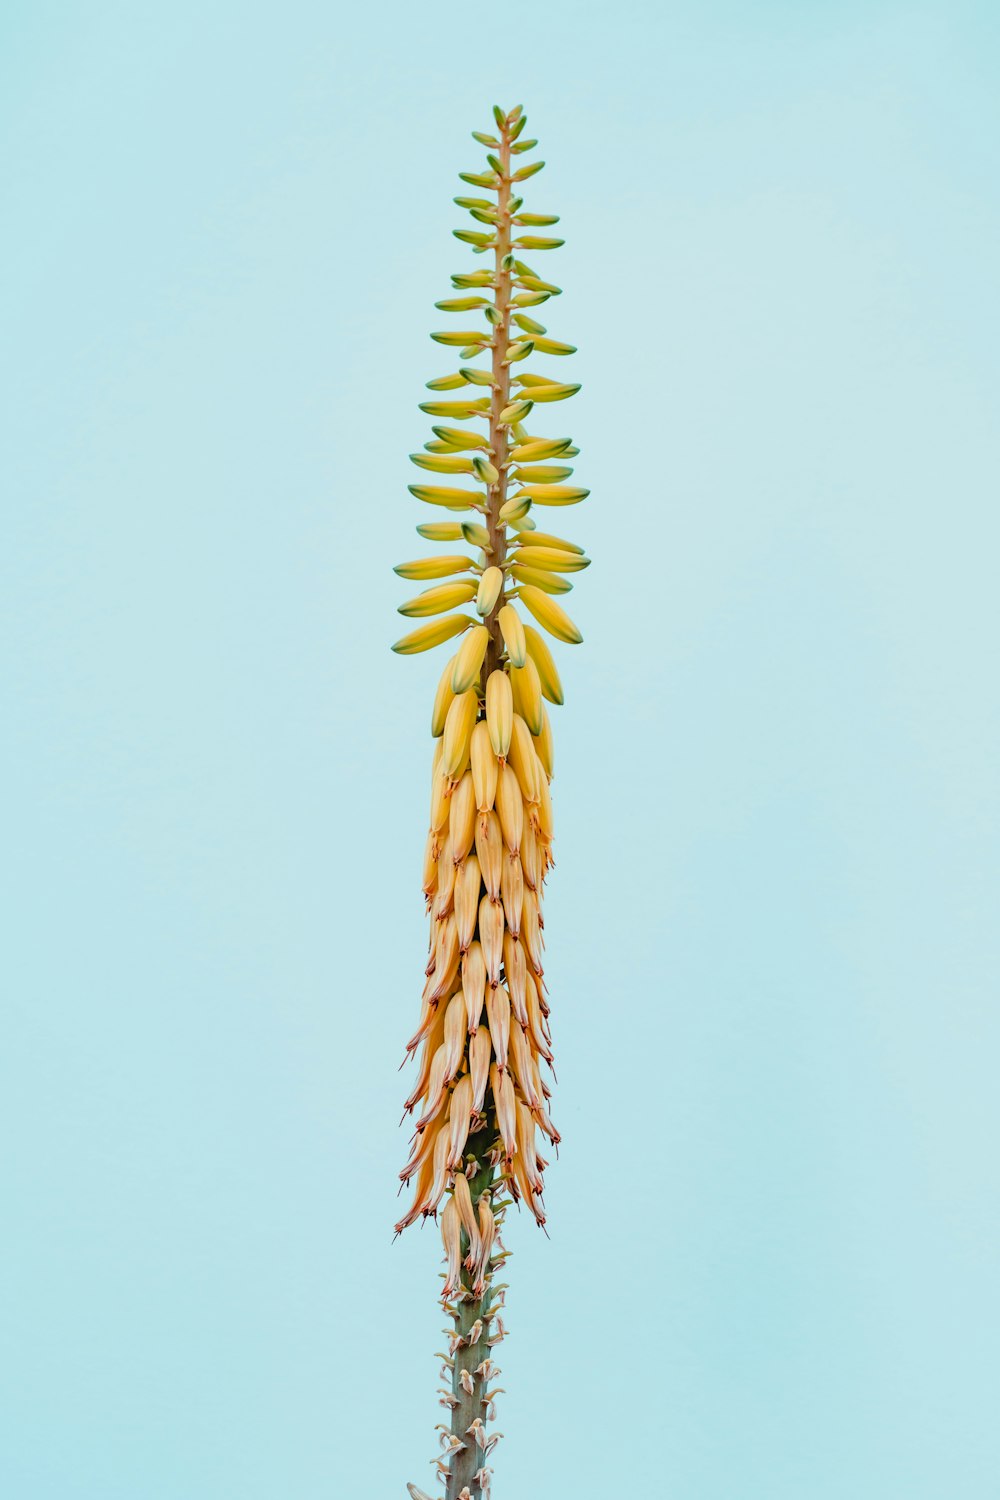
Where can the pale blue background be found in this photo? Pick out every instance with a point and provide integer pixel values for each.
(772, 929)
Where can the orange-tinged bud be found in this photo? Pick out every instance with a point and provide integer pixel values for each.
(526, 1146)
(538, 986)
(432, 940)
(440, 1179)
(460, 1115)
(468, 887)
(537, 1029)
(443, 986)
(467, 1214)
(421, 1192)
(473, 985)
(428, 1000)
(446, 958)
(510, 809)
(512, 891)
(462, 820)
(515, 969)
(428, 1012)
(506, 1108)
(530, 863)
(451, 1234)
(491, 937)
(430, 875)
(423, 1150)
(520, 1058)
(487, 1234)
(484, 767)
(435, 941)
(531, 935)
(489, 849)
(440, 807)
(436, 1088)
(454, 1034)
(541, 1091)
(480, 1052)
(527, 1189)
(546, 1124)
(498, 1014)
(435, 1036)
(444, 897)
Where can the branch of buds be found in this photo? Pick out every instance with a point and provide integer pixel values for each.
(480, 1097)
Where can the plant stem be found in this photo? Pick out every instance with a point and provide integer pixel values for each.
(468, 1460)
(470, 1310)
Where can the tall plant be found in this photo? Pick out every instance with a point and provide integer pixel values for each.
(481, 1095)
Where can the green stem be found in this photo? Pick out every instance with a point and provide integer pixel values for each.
(470, 1396)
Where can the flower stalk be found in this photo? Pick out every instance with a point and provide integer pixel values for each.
(481, 1098)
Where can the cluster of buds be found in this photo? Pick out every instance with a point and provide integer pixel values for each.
(484, 1031)
(480, 1100)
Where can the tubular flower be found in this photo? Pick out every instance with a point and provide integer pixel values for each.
(480, 1097)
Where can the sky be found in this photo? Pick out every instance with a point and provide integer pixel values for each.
(771, 931)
